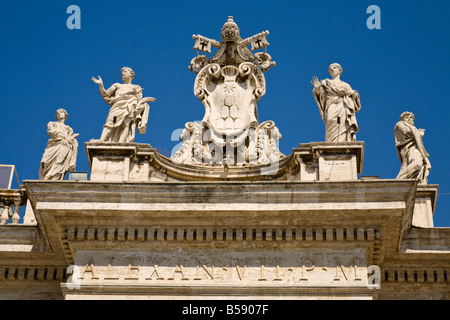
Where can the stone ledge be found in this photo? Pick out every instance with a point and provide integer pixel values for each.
(204, 234)
(427, 240)
(416, 275)
(176, 292)
(141, 163)
(33, 273)
(20, 238)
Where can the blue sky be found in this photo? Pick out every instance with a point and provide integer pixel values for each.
(403, 66)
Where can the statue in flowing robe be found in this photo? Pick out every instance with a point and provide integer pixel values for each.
(337, 103)
(410, 150)
(60, 155)
(129, 110)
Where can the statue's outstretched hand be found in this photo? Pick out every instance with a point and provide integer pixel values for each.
(316, 82)
(97, 81)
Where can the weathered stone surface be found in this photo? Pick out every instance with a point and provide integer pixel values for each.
(229, 85)
(309, 162)
(425, 203)
(337, 103)
(60, 155)
(263, 226)
(129, 109)
(245, 231)
(238, 234)
(410, 149)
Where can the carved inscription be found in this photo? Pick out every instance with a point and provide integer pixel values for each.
(298, 268)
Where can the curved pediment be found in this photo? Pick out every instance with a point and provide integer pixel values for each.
(136, 162)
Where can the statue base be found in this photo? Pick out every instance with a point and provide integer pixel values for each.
(330, 161)
(118, 162)
(135, 162)
(424, 206)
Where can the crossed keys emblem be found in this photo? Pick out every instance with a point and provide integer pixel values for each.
(257, 42)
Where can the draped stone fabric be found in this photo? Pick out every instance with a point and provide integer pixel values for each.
(122, 116)
(411, 152)
(60, 155)
(337, 107)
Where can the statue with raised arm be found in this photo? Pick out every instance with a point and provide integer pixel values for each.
(129, 110)
(60, 155)
(410, 150)
(337, 103)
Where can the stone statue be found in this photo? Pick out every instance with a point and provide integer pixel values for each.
(229, 85)
(337, 103)
(128, 109)
(410, 150)
(60, 155)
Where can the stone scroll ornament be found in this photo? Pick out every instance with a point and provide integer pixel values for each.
(410, 150)
(230, 84)
(337, 103)
(60, 155)
(129, 109)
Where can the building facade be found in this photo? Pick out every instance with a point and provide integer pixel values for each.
(143, 227)
(228, 216)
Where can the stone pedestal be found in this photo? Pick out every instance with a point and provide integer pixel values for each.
(134, 162)
(424, 206)
(119, 162)
(110, 162)
(330, 161)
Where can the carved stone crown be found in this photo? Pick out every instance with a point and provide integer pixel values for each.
(230, 30)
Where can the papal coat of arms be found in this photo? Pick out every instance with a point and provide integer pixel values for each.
(230, 84)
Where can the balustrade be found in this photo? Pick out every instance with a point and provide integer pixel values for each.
(10, 203)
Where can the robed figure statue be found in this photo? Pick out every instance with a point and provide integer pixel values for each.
(410, 150)
(128, 109)
(60, 155)
(337, 103)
